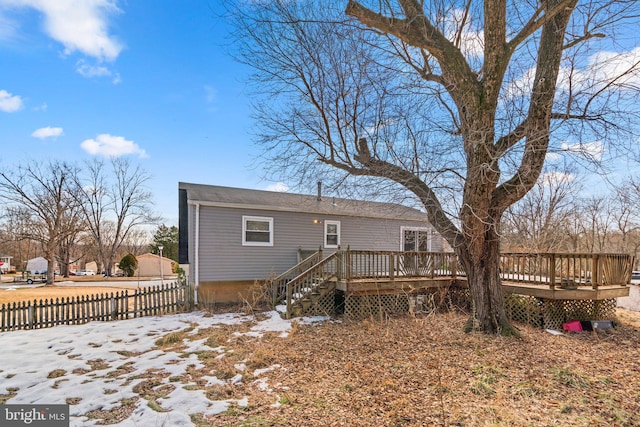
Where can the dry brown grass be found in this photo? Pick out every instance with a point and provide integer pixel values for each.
(409, 371)
(427, 372)
(53, 292)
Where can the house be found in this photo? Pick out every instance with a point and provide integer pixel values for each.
(151, 265)
(5, 264)
(231, 237)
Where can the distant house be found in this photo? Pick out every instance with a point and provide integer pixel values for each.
(5, 264)
(230, 237)
(151, 265)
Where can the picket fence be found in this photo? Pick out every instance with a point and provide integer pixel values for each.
(120, 305)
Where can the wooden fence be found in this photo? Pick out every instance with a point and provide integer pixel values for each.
(120, 305)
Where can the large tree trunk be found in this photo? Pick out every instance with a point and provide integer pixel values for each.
(483, 277)
(51, 263)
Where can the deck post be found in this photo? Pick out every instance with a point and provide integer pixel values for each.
(392, 265)
(433, 264)
(454, 267)
(289, 299)
(597, 271)
(552, 270)
(339, 264)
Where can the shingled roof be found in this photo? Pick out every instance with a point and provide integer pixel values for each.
(212, 195)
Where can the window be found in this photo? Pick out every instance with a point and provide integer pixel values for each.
(415, 239)
(257, 231)
(331, 234)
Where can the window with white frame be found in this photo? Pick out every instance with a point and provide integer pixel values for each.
(331, 234)
(257, 231)
(415, 239)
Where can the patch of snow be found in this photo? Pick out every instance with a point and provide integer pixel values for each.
(262, 371)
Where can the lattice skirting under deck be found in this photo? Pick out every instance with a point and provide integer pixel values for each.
(381, 305)
(377, 306)
(324, 306)
(551, 314)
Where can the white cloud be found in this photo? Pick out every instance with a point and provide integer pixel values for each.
(112, 146)
(47, 132)
(591, 150)
(86, 70)
(551, 179)
(89, 71)
(280, 187)
(620, 70)
(552, 157)
(80, 25)
(210, 94)
(10, 103)
(8, 27)
(601, 69)
(471, 39)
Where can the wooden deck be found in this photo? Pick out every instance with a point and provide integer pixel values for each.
(558, 277)
(413, 285)
(365, 286)
(580, 293)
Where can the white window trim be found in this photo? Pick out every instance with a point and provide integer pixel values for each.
(246, 218)
(427, 229)
(326, 225)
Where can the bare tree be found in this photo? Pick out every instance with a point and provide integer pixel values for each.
(598, 220)
(449, 101)
(137, 243)
(626, 216)
(16, 229)
(114, 205)
(535, 223)
(44, 192)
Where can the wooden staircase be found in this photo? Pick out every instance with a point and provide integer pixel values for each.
(309, 293)
(310, 301)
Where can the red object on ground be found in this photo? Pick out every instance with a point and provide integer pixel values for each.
(572, 326)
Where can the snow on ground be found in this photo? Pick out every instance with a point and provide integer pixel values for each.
(80, 362)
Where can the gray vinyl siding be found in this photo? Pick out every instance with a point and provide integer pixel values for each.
(224, 258)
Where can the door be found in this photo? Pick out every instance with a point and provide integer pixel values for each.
(415, 240)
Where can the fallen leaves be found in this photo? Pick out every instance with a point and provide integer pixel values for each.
(425, 371)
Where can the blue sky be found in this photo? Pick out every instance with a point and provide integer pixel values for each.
(150, 80)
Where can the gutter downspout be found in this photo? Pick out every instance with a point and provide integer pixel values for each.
(197, 254)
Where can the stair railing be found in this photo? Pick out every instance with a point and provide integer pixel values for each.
(278, 284)
(304, 284)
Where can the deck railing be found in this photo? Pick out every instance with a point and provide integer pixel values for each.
(552, 269)
(391, 264)
(567, 270)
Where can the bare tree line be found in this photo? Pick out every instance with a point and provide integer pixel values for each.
(70, 213)
(556, 216)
